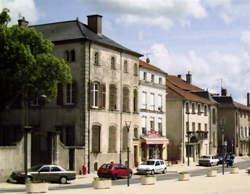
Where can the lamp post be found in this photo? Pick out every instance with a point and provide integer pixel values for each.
(128, 123)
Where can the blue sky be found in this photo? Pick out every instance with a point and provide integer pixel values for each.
(210, 38)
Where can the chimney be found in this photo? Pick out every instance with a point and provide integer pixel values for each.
(23, 22)
(179, 76)
(248, 99)
(223, 92)
(147, 60)
(189, 77)
(95, 23)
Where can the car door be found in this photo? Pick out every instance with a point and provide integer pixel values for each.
(158, 166)
(43, 173)
(55, 174)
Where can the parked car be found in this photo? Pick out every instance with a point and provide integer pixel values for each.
(220, 158)
(114, 170)
(48, 173)
(208, 160)
(152, 166)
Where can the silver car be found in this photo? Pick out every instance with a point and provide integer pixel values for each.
(48, 173)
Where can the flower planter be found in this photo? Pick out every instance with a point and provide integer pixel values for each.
(184, 176)
(234, 170)
(102, 184)
(148, 180)
(36, 187)
(211, 173)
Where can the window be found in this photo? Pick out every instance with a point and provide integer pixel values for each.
(125, 66)
(112, 97)
(124, 139)
(152, 78)
(44, 169)
(160, 125)
(125, 99)
(96, 132)
(187, 107)
(214, 116)
(66, 94)
(35, 101)
(135, 69)
(144, 125)
(187, 126)
(98, 95)
(205, 110)
(199, 126)
(152, 101)
(152, 123)
(205, 126)
(159, 103)
(72, 55)
(199, 109)
(144, 100)
(145, 76)
(67, 135)
(136, 133)
(112, 139)
(113, 63)
(96, 59)
(67, 56)
(55, 169)
(135, 101)
(160, 80)
(193, 126)
(193, 108)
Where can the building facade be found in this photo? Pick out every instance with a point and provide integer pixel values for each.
(152, 140)
(93, 119)
(190, 130)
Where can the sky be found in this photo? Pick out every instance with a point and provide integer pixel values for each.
(209, 38)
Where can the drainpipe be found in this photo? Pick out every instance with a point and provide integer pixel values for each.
(121, 90)
(183, 134)
(89, 110)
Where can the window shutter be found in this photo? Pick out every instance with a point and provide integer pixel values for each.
(74, 92)
(91, 94)
(60, 94)
(103, 93)
(114, 99)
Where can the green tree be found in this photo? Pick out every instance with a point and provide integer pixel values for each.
(27, 64)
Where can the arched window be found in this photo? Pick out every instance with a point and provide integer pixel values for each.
(193, 108)
(199, 109)
(124, 138)
(72, 55)
(135, 69)
(96, 141)
(96, 59)
(112, 97)
(125, 66)
(135, 101)
(205, 110)
(112, 140)
(113, 63)
(125, 99)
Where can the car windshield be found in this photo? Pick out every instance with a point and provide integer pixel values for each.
(205, 157)
(149, 163)
(106, 166)
(35, 168)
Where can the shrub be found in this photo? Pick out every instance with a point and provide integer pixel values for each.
(148, 175)
(234, 166)
(183, 172)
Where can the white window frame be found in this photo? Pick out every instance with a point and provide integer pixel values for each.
(144, 100)
(152, 101)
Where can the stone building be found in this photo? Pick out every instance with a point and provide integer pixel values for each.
(151, 141)
(86, 123)
(191, 120)
(234, 124)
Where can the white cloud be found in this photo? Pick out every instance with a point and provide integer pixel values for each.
(207, 69)
(24, 8)
(245, 37)
(160, 13)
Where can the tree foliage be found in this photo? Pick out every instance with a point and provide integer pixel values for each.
(27, 63)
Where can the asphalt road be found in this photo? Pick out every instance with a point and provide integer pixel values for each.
(136, 178)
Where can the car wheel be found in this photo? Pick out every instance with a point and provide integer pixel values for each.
(114, 177)
(28, 179)
(63, 180)
(164, 171)
(130, 174)
(152, 172)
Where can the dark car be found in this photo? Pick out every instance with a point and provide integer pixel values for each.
(114, 170)
(48, 173)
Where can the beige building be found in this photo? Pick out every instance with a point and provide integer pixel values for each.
(191, 120)
(86, 124)
(233, 124)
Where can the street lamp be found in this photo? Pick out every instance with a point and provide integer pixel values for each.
(128, 123)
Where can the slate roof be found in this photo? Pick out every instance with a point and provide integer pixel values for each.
(150, 66)
(180, 83)
(73, 30)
